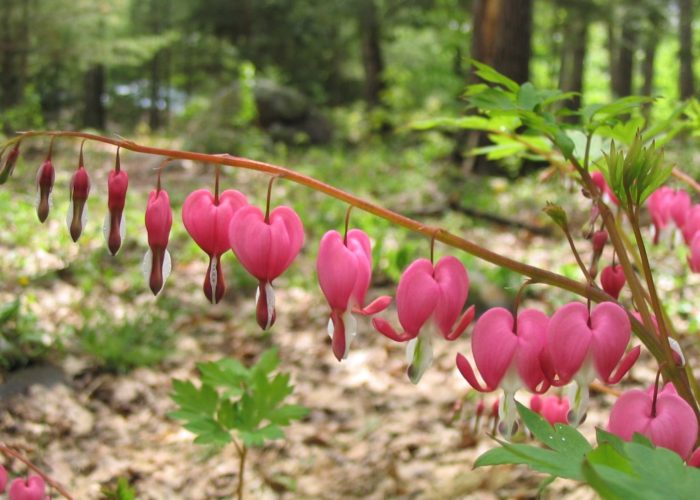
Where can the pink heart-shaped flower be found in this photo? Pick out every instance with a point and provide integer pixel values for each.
(430, 293)
(505, 357)
(573, 337)
(266, 246)
(33, 489)
(691, 225)
(612, 279)
(672, 425)
(344, 270)
(207, 221)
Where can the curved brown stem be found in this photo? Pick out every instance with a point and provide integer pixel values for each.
(6, 450)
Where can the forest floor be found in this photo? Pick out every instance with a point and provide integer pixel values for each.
(370, 433)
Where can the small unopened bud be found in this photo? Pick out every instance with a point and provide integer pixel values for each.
(159, 220)
(77, 210)
(612, 279)
(9, 166)
(678, 356)
(599, 239)
(113, 229)
(45, 177)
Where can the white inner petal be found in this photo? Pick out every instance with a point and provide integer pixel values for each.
(69, 214)
(350, 331)
(270, 294)
(167, 265)
(146, 264)
(213, 279)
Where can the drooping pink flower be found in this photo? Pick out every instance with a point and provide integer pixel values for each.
(344, 271)
(608, 196)
(207, 221)
(554, 409)
(507, 354)
(668, 422)
(45, 177)
(680, 207)
(659, 204)
(76, 218)
(433, 296)
(266, 246)
(692, 224)
(114, 228)
(157, 263)
(694, 257)
(31, 489)
(3, 479)
(581, 345)
(612, 279)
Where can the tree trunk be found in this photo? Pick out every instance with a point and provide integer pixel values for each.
(502, 32)
(94, 87)
(501, 36)
(573, 55)
(372, 60)
(623, 59)
(686, 80)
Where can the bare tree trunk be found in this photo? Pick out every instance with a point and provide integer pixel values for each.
(372, 60)
(573, 55)
(624, 65)
(686, 80)
(502, 33)
(93, 108)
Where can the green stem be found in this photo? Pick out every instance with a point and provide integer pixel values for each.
(243, 451)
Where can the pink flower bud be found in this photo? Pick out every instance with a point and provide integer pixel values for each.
(599, 239)
(344, 270)
(612, 279)
(554, 409)
(266, 247)
(10, 162)
(45, 177)
(33, 489)
(680, 207)
(157, 263)
(114, 227)
(668, 422)
(77, 210)
(658, 205)
(608, 196)
(207, 220)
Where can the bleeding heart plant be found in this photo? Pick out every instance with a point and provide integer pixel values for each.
(582, 344)
(344, 268)
(431, 296)
(45, 177)
(207, 218)
(31, 489)
(266, 245)
(507, 354)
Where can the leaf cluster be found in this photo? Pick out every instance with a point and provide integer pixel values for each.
(233, 401)
(615, 469)
(635, 174)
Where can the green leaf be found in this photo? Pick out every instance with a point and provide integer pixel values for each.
(208, 431)
(269, 360)
(487, 73)
(204, 400)
(547, 461)
(285, 414)
(563, 142)
(528, 98)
